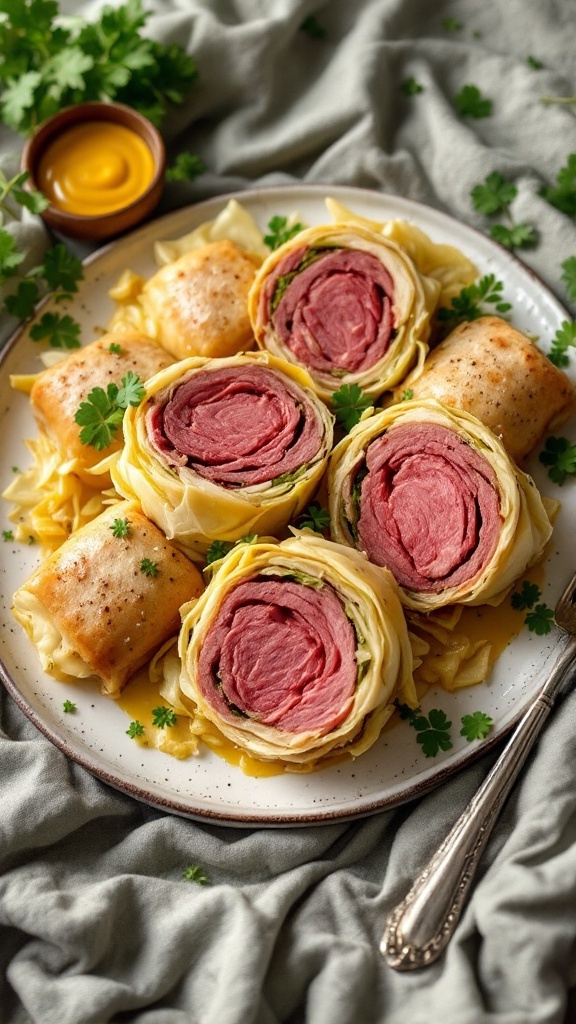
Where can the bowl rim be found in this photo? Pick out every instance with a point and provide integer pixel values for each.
(100, 110)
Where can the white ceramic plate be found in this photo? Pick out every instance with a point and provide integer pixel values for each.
(394, 770)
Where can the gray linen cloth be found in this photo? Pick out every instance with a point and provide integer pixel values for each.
(96, 923)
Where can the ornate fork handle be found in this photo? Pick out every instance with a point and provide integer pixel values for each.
(419, 928)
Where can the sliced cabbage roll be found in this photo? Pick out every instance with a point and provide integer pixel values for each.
(296, 650)
(223, 448)
(430, 493)
(347, 304)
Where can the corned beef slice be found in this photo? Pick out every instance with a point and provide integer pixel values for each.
(282, 653)
(429, 507)
(236, 425)
(336, 313)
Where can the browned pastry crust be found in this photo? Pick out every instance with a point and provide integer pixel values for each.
(199, 303)
(59, 390)
(108, 611)
(490, 369)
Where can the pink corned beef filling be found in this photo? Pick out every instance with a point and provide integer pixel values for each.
(238, 425)
(283, 654)
(336, 314)
(429, 507)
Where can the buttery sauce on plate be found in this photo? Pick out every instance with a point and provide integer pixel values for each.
(95, 168)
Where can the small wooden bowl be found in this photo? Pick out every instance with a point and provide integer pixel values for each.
(105, 225)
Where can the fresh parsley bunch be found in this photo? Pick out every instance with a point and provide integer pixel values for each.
(49, 63)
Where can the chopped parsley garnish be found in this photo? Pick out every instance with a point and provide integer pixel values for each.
(534, 63)
(186, 167)
(564, 339)
(526, 597)
(560, 455)
(569, 276)
(148, 567)
(476, 726)
(540, 618)
(220, 548)
(115, 349)
(494, 196)
(433, 732)
(407, 395)
(563, 194)
(313, 28)
(469, 102)
(314, 517)
(8, 535)
(469, 304)
(163, 716)
(194, 873)
(217, 550)
(69, 707)
(103, 411)
(121, 527)
(279, 232)
(350, 403)
(135, 729)
(410, 87)
(60, 331)
(451, 25)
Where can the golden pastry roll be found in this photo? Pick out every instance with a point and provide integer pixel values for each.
(222, 448)
(431, 494)
(198, 305)
(346, 304)
(59, 390)
(492, 370)
(105, 602)
(296, 650)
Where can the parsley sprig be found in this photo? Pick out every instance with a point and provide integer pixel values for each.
(494, 196)
(410, 87)
(569, 276)
(476, 726)
(433, 730)
(563, 340)
(102, 413)
(194, 873)
(219, 548)
(163, 716)
(560, 456)
(539, 617)
(59, 272)
(279, 232)
(470, 303)
(470, 102)
(314, 517)
(186, 167)
(48, 64)
(562, 195)
(350, 403)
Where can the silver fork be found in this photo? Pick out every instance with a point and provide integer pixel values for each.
(421, 926)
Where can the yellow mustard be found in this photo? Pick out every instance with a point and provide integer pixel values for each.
(95, 168)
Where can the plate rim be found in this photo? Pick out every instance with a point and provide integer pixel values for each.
(369, 806)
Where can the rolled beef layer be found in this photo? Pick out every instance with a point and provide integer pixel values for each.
(429, 507)
(281, 653)
(336, 312)
(236, 426)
